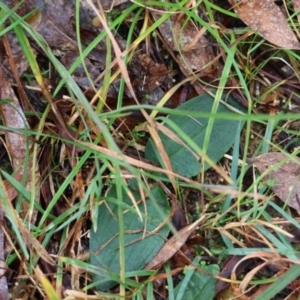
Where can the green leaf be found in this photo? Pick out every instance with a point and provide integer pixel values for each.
(222, 136)
(145, 246)
(198, 285)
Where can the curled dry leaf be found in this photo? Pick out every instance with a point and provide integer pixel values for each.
(268, 20)
(282, 175)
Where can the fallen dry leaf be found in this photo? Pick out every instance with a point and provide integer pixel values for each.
(283, 178)
(173, 245)
(268, 20)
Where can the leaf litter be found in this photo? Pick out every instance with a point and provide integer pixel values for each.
(268, 20)
(281, 174)
(194, 53)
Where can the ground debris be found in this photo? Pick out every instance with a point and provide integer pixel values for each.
(268, 20)
(282, 175)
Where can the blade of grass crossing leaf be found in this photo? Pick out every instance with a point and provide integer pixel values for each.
(224, 77)
(121, 231)
(234, 165)
(93, 194)
(81, 264)
(194, 147)
(244, 168)
(233, 176)
(235, 154)
(163, 154)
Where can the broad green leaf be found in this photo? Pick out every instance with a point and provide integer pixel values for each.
(143, 247)
(221, 139)
(198, 285)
